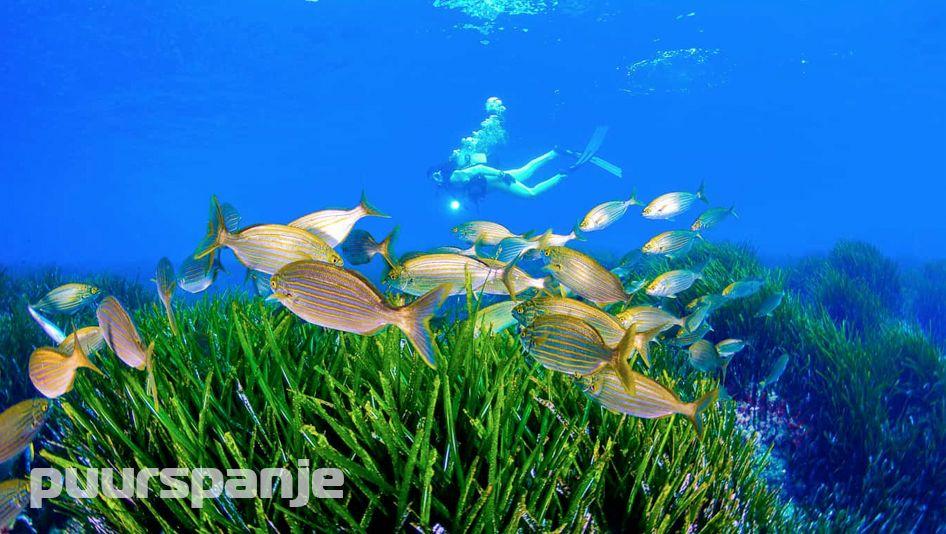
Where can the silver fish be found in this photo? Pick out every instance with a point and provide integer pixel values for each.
(672, 243)
(670, 283)
(711, 217)
(742, 289)
(669, 205)
(607, 213)
(770, 304)
(333, 226)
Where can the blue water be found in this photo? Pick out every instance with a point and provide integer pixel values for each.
(818, 120)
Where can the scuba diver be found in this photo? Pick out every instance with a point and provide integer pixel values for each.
(467, 173)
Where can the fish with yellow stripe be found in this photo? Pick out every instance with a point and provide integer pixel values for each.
(571, 346)
(19, 426)
(482, 232)
(53, 373)
(584, 275)
(418, 274)
(669, 205)
(164, 279)
(89, 337)
(14, 497)
(269, 247)
(333, 226)
(648, 399)
(607, 213)
(672, 243)
(607, 326)
(495, 318)
(342, 299)
(67, 298)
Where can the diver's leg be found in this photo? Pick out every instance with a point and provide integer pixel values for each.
(522, 190)
(524, 173)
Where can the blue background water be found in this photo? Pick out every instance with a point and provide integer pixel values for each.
(120, 119)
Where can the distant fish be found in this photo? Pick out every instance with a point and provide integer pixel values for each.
(672, 243)
(344, 300)
(712, 301)
(770, 304)
(584, 275)
(670, 283)
(270, 247)
(627, 263)
(165, 281)
(19, 426)
(571, 346)
(607, 213)
(495, 318)
(650, 399)
(421, 273)
(669, 205)
(711, 217)
(53, 373)
(361, 246)
(607, 326)
(90, 338)
(53, 331)
(698, 316)
(14, 497)
(742, 289)
(483, 232)
(685, 338)
(198, 275)
(513, 247)
(775, 372)
(67, 298)
(730, 346)
(121, 335)
(704, 356)
(333, 226)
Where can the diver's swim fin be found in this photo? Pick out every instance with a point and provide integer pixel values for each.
(594, 144)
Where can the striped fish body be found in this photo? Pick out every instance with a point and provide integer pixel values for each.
(67, 298)
(421, 274)
(669, 205)
(90, 339)
(770, 304)
(53, 373)
(495, 318)
(670, 283)
(482, 232)
(673, 243)
(712, 301)
(557, 240)
(585, 276)
(14, 497)
(333, 226)
(607, 326)
(19, 426)
(332, 297)
(710, 218)
(196, 275)
(121, 335)
(270, 247)
(165, 281)
(650, 399)
(730, 346)
(341, 299)
(742, 289)
(566, 345)
(604, 215)
(686, 338)
(704, 356)
(648, 319)
(521, 280)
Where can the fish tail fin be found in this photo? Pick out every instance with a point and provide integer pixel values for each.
(82, 359)
(512, 247)
(623, 360)
(414, 321)
(508, 280)
(360, 247)
(371, 210)
(701, 192)
(542, 241)
(633, 201)
(221, 236)
(732, 211)
(577, 233)
(386, 246)
(695, 416)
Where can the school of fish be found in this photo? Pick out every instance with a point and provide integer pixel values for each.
(579, 318)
